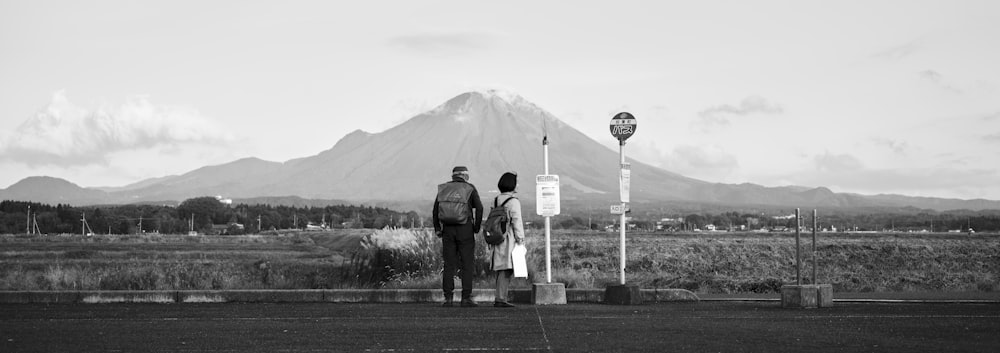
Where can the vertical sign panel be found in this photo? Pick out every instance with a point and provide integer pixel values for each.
(624, 179)
(547, 195)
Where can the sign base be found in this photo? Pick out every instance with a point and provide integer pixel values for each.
(548, 293)
(623, 295)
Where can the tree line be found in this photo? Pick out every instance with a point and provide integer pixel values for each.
(841, 220)
(205, 215)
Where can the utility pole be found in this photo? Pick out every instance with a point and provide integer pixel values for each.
(140, 225)
(258, 224)
(27, 226)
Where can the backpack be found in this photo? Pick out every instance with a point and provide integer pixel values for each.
(496, 224)
(453, 203)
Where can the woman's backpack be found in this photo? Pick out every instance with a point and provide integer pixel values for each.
(496, 223)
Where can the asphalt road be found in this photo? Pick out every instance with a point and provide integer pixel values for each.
(308, 327)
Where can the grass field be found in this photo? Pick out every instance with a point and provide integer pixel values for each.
(399, 258)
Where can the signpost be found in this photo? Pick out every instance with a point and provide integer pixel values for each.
(547, 205)
(622, 127)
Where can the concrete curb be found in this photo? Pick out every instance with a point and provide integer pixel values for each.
(311, 296)
(860, 300)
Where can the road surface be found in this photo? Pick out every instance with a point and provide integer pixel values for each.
(312, 327)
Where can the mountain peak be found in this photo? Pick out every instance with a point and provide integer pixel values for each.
(42, 181)
(493, 93)
(478, 102)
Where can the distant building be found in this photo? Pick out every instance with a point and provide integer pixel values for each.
(225, 201)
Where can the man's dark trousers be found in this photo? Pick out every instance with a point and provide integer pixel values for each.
(458, 249)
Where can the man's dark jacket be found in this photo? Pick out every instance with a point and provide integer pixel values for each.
(475, 208)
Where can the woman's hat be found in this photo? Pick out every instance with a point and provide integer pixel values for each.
(508, 181)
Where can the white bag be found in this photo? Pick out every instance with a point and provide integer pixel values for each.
(520, 263)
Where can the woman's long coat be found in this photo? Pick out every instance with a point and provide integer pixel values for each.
(502, 259)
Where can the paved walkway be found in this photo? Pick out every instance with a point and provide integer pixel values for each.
(309, 327)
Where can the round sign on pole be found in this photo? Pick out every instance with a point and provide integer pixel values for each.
(622, 126)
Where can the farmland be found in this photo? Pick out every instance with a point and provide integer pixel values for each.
(402, 258)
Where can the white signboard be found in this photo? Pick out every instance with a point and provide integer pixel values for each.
(619, 209)
(547, 195)
(624, 179)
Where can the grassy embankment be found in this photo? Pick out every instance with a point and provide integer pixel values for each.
(705, 263)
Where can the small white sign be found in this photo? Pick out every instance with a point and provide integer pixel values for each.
(547, 195)
(620, 209)
(624, 179)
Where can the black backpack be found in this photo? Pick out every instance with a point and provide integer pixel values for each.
(496, 224)
(453, 203)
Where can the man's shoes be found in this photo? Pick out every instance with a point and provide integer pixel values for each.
(468, 303)
(448, 303)
(503, 305)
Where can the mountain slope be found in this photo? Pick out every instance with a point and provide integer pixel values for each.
(491, 132)
(53, 191)
(488, 133)
(240, 178)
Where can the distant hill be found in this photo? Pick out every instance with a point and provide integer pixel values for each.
(51, 190)
(490, 132)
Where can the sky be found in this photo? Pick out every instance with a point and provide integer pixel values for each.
(870, 97)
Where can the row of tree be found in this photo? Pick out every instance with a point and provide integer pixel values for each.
(961, 220)
(205, 215)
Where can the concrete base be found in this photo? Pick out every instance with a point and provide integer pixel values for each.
(548, 293)
(524, 295)
(824, 293)
(623, 295)
(799, 296)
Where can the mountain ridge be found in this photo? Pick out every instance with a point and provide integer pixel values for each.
(491, 132)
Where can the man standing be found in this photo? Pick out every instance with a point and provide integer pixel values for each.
(458, 214)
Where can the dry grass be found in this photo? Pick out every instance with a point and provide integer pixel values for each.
(402, 258)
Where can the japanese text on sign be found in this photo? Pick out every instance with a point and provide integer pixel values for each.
(624, 179)
(623, 126)
(547, 194)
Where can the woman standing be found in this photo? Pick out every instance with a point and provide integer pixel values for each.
(503, 262)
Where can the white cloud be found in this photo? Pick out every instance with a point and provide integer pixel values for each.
(899, 52)
(897, 147)
(444, 42)
(67, 135)
(719, 115)
(938, 80)
(840, 163)
(707, 162)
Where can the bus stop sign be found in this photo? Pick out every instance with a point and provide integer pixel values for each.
(622, 126)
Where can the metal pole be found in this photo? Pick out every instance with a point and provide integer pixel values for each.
(814, 247)
(548, 233)
(621, 153)
(798, 257)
